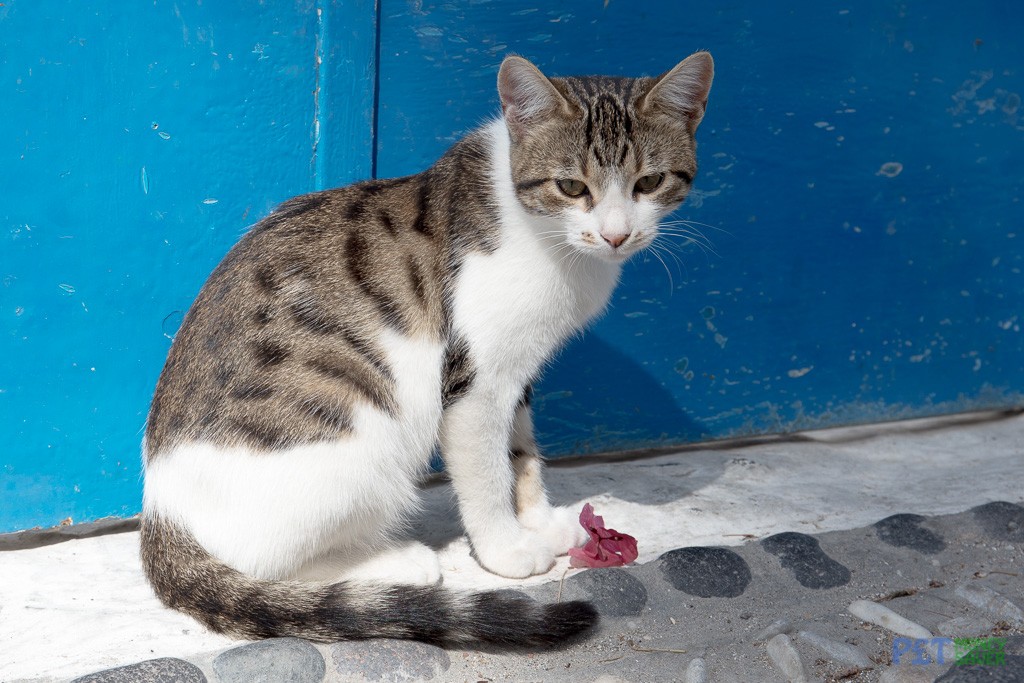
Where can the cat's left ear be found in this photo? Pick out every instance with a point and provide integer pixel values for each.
(683, 91)
(527, 96)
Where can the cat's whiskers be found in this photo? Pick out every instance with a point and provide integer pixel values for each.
(678, 250)
(689, 228)
(657, 249)
(567, 261)
(682, 226)
(666, 248)
(690, 236)
(694, 225)
(554, 241)
(564, 251)
(671, 283)
(580, 258)
(573, 258)
(551, 234)
(685, 242)
(687, 221)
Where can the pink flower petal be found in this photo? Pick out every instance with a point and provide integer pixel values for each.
(578, 558)
(590, 521)
(606, 547)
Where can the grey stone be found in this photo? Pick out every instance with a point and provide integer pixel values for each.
(696, 671)
(277, 660)
(991, 602)
(905, 531)
(614, 592)
(787, 659)
(840, 652)
(706, 572)
(773, 629)
(964, 626)
(1001, 520)
(1010, 671)
(1007, 666)
(163, 670)
(1015, 645)
(808, 562)
(390, 660)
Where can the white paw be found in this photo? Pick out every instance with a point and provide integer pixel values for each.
(516, 556)
(412, 563)
(560, 526)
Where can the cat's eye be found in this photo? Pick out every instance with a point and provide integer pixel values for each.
(573, 188)
(649, 183)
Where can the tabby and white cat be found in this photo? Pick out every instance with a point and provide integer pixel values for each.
(352, 331)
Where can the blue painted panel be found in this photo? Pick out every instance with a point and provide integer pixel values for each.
(860, 181)
(347, 92)
(140, 139)
(860, 169)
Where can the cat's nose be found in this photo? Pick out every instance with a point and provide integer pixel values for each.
(614, 238)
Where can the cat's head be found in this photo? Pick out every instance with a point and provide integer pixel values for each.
(606, 157)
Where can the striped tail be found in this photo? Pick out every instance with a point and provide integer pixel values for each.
(187, 578)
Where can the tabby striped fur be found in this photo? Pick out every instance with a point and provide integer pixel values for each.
(353, 331)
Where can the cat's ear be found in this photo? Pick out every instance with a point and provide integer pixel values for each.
(683, 91)
(527, 96)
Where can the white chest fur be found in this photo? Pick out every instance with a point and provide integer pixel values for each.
(516, 304)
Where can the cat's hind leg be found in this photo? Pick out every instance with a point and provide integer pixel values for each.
(408, 563)
(404, 562)
(268, 515)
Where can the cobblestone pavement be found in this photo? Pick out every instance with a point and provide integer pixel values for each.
(887, 602)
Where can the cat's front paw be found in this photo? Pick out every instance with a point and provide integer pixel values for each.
(560, 526)
(516, 556)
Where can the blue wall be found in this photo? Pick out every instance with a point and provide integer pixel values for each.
(860, 179)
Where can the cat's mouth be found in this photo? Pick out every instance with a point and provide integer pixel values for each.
(615, 248)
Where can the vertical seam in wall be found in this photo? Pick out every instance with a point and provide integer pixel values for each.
(374, 127)
(319, 93)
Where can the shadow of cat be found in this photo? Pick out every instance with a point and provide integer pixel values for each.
(595, 398)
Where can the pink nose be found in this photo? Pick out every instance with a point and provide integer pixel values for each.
(614, 239)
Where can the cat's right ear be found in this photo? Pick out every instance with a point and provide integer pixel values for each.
(527, 96)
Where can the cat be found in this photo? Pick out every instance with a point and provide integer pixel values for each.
(353, 331)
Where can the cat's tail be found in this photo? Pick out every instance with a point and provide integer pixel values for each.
(187, 578)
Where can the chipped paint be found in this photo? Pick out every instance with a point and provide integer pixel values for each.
(1010, 324)
(890, 169)
(921, 357)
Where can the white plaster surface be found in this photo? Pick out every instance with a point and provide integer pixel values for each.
(79, 606)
